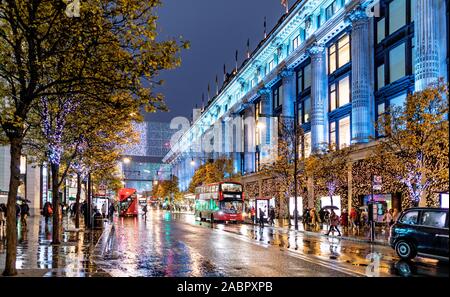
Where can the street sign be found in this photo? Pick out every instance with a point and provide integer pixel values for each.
(377, 182)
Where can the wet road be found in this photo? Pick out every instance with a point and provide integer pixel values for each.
(169, 244)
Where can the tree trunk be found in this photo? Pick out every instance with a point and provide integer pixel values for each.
(11, 231)
(77, 202)
(56, 208)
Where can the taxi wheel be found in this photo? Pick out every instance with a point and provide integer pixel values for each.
(405, 249)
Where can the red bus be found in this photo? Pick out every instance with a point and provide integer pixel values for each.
(223, 201)
(128, 202)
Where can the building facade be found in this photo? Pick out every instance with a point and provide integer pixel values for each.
(342, 63)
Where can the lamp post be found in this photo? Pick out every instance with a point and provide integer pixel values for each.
(295, 161)
(295, 166)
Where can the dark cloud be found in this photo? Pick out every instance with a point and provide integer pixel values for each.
(215, 29)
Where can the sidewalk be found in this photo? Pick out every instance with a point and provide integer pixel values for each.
(381, 234)
(37, 257)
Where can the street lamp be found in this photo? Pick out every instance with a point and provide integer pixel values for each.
(192, 162)
(126, 160)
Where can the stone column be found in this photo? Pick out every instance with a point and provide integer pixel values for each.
(237, 134)
(266, 147)
(289, 92)
(249, 139)
(426, 43)
(319, 97)
(360, 77)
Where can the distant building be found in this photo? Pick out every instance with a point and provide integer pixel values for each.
(142, 164)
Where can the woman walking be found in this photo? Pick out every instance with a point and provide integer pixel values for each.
(334, 222)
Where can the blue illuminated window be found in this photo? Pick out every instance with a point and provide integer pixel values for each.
(330, 10)
(295, 42)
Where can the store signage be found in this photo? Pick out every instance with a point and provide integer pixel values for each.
(377, 182)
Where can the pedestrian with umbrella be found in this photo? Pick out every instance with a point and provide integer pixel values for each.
(332, 218)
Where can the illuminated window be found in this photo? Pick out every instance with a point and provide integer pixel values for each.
(344, 51)
(307, 76)
(344, 132)
(271, 65)
(332, 97)
(397, 15)
(307, 144)
(333, 133)
(339, 94)
(296, 42)
(380, 112)
(397, 63)
(339, 54)
(398, 101)
(277, 96)
(380, 76)
(332, 58)
(381, 28)
(330, 10)
(307, 108)
(303, 78)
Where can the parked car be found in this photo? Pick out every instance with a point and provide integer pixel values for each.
(422, 231)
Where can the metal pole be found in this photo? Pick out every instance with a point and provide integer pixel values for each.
(372, 223)
(89, 201)
(295, 166)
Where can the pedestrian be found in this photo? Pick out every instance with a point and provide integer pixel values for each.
(272, 216)
(353, 219)
(47, 211)
(389, 218)
(395, 214)
(261, 218)
(252, 214)
(314, 219)
(364, 219)
(24, 213)
(144, 210)
(104, 210)
(334, 222)
(111, 211)
(2, 215)
(326, 217)
(321, 216)
(344, 220)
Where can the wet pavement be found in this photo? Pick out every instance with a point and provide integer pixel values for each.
(168, 244)
(36, 256)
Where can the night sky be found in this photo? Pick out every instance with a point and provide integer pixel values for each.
(215, 29)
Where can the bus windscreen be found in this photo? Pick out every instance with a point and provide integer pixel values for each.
(231, 188)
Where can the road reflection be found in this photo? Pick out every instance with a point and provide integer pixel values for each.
(356, 254)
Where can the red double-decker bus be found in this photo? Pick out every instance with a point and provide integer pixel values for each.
(128, 202)
(223, 201)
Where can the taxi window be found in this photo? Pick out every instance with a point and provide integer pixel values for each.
(433, 219)
(410, 218)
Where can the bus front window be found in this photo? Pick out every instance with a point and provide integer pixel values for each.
(231, 206)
